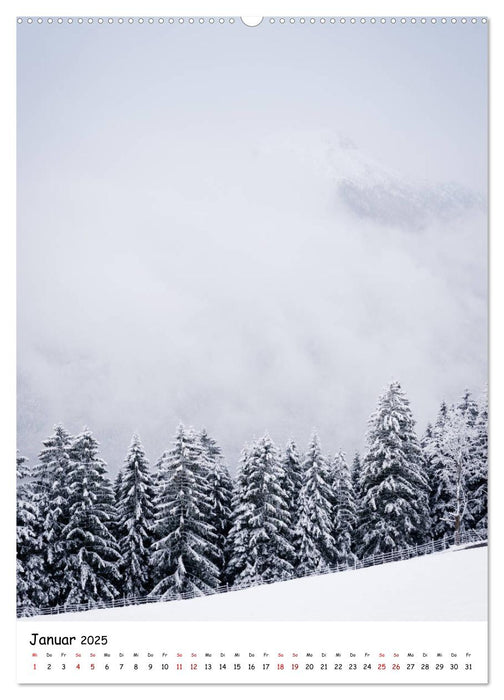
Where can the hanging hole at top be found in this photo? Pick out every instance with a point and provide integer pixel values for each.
(251, 21)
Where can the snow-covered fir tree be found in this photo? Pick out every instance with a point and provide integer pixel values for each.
(475, 476)
(315, 543)
(440, 477)
(477, 479)
(476, 469)
(91, 552)
(394, 503)
(355, 474)
(344, 514)
(185, 549)
(292, 467)
(428, 469)
(158, 477)
(259, 536)
(219, 488)
(237, 543)
(116, 490)
(118, 484)
(427, 436)
(453, 456)
(135, 520)
(52, 484)
(31, 589)
(468, 407)
(158, 473)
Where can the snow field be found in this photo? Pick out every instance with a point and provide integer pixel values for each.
(450, 585)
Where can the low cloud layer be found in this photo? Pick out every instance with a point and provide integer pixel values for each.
(286, 315)
(259, 238)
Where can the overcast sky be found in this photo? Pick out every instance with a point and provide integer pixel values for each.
(247, 229)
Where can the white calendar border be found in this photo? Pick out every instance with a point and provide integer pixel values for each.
(8, 12)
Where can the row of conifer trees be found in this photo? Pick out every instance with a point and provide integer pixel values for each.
(187, 527)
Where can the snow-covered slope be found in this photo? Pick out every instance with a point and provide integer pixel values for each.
(446, 586)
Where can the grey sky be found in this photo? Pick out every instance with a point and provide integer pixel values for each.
(247, 229)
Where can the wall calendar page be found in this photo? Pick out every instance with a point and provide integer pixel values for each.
(252, 350)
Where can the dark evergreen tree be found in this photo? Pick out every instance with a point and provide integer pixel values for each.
(185, 548)
(259, 536)
(218, 487)
(394, 504)
(314, 529)
(31, 590)
(344, 514)
(91, 552)
(135, 520)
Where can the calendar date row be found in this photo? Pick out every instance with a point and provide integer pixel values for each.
(284, 666)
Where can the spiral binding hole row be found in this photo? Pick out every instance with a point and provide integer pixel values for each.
(232, 20)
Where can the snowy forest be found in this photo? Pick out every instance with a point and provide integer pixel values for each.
(187, 527)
